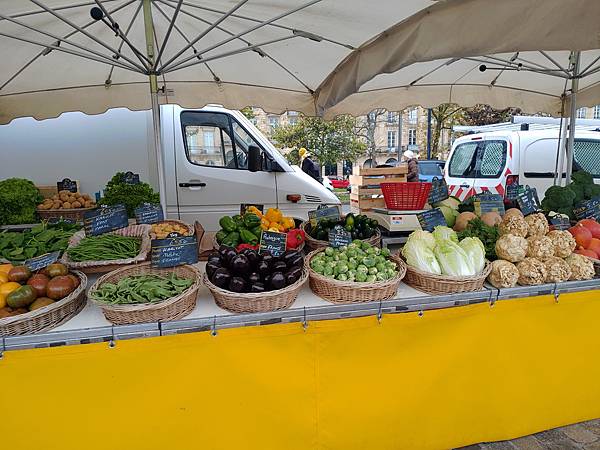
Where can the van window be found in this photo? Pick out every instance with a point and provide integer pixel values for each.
(215, 140)
(586, 156)
(481, 159)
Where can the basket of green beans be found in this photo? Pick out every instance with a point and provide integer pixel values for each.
(109, 251)
(142, 293)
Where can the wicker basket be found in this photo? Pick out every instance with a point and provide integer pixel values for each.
(107, 266)
(315, 244)
(171, 309)
(443, 284)
(47, 317)
(216, 245)
(189, 227)
(337, 291)
(256, 302)
(75, 214)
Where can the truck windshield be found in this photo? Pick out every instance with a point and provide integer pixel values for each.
(478, 159)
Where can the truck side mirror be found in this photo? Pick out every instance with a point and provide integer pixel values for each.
(254, 159)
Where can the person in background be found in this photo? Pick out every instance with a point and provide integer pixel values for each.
(308, 165)
(413, 166)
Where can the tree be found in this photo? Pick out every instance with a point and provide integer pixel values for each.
(486, 115)
(248, 112)
(329, 141)
(444, 116)
(366, 129)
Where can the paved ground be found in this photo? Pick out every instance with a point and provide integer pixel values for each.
(582, 436)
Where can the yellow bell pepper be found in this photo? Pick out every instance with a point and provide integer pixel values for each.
(273, 215)
(5, 268)
(274, 229)
(288, 223)
(264, 223)
(254, 210)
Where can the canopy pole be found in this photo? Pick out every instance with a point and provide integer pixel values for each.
(573, 113)
(399, 143)
(558, 178)
(149, 33)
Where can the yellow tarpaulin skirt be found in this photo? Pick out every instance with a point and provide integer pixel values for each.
(449, 378)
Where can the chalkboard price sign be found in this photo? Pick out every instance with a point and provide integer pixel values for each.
(338, 237)
(272, 242)
(245, 206)
(528, 201)
(513, 190)
(148, 213)
(42, 261)
(439, 190)
(131, 178)
(104, 220)
(55, 220)
(431, 218)
(560, 223)
(489, 202)
(588, 209)
(324, 212)
(67, 185)
(174, 251)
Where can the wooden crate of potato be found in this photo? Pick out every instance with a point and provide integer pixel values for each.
(66, 204)
(161, 230)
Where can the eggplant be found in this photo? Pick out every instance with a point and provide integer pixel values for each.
(252, 256)
(221, 278)
(293, 275)
(231, 253)
(257, 287)
(214, 258)
(237, 284)
(288, 256)
(223, 249)
(267, 280)
(268, 258)
(296, 261)
(211, 268)
(277, 281)
(279, 266)
(263, 268)
(254, 278)
(240, 265)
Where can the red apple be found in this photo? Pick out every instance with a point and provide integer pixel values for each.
(591, 225)
(585, 252)
(582, 235)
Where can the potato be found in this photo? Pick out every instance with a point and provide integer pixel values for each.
(64, 197)
(76, 204)
(56, 205)
(55, 197)
(87, 204)
(66, 205)
(87, 196)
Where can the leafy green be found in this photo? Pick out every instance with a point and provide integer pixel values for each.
(487, 235)
(419, 254)
(475, 251)
(16, 247)
(130, 195)
(453, 259)
(441, 233)
(18, 201)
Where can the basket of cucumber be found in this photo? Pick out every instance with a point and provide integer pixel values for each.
(360, 227)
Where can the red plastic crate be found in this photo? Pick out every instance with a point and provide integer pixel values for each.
(405, 196)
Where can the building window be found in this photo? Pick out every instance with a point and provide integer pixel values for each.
(412, 115)
(597, 112)
(412, 136)
(391, 139)
(391, 117)
(581, 113)
(273, 121)
(293, 120)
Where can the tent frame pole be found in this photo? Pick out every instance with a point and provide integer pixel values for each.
(150, 51)
(573, 113)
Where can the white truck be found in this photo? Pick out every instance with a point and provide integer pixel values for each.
(214, 159)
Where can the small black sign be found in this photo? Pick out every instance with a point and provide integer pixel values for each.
(588, 209)
(131, 178)
(67, 185)
(148, 213)
(272, 242)
(338, 237)
(39, 262)
(324, 212)
(528, 201)
(439, 191)
(245, 206)
(513, 190)
(103, 220)
(560, 222)
(431, 218)
(488, 202)
(174, 251)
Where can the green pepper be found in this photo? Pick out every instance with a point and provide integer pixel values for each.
(228, 224)
(349, 221)
(248, 237)
(256, 231)
(239, 221)
(221, 235)
(232, 239)
(251, 220)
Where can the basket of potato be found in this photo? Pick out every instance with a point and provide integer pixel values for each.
(162, 229)
(66, 204)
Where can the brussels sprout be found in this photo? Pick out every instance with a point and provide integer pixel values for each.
(357, 242)
(371, 278)
(351, 273)
(328, 271)
(351, 252)
(369, 262)
(362, 269)
(373, 271)
(351, 277)
(370, 251)
(342, 277)
(380, 266)
(376, 250)
(361, 277)
(342, 267)
(352, 265)
(329, 251)
(343, 257)
(319, 268)
(381, 276)
(391, 273)
(385, 252)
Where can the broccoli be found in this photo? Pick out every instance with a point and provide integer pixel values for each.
(582, 177)
(579, 190)
(558, 197)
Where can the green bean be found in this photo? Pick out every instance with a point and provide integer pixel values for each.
(141, 289)
(105, 247)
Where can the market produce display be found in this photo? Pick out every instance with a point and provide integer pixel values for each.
(162, 229)
(441, 253)
(67, 200)
(18, 201)
(138, 289)
(22, 291)
(43, 238)
(360, 227)
(244, 231)
(117, 192)
(358, 262)
(248, 271)
(105, 247)
(562, 199)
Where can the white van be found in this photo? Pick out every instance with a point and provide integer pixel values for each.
(214, 159)
(490, 161)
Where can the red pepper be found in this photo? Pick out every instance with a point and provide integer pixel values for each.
(241, 247)
(295, 238)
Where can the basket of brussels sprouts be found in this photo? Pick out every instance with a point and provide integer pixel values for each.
(356, 273)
